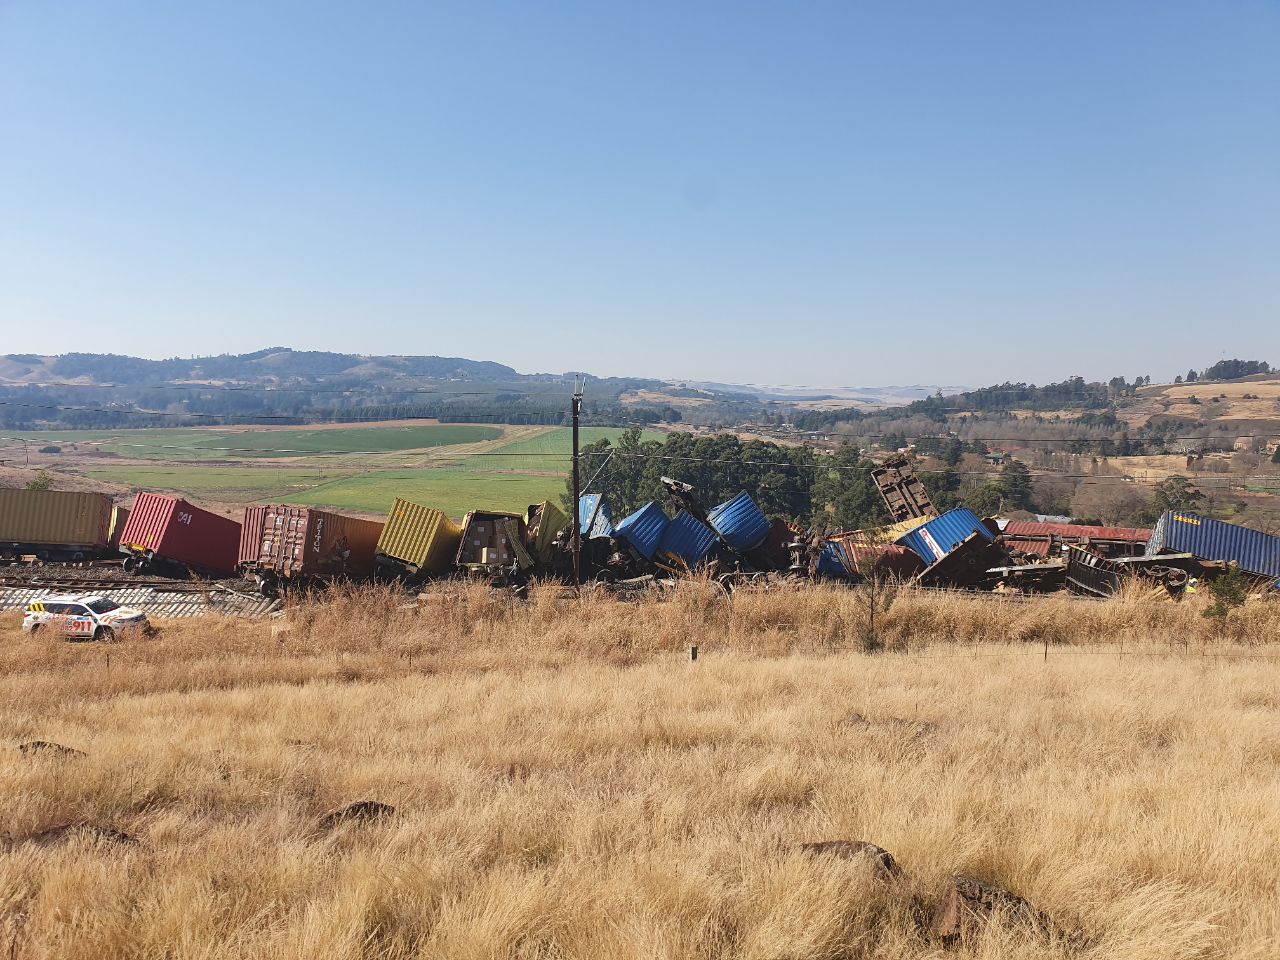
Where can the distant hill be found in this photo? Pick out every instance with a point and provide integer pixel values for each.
(273, 365)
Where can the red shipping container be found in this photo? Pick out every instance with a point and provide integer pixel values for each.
(304, 542)
(173, 529)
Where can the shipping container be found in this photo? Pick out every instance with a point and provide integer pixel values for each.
(1251, 550)
(1045, 539)
(54, 522)
(544, 523)
(686, 541)
(741, 524)
(170, 529)
(933, 540)
(595, 519)
(866, 560)
(493, 539)
(643, 529)
(417, 540)
(302, 542)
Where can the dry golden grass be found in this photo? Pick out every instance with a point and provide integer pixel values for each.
(569, 785)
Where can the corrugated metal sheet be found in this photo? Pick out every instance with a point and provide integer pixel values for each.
(421, 537)
(687, 540)
(595, 518)
(55, 518)
(305, 542)
(643, 529)
(933, 540)
(740, 522)
(251, 535)
(1253, 551)
(543, 524)
(158, 604)
(173, 529)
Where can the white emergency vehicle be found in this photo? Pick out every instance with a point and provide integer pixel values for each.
(83, 617)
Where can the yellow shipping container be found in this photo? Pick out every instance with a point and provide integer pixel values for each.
(422, 538)
(550, 520)
(886, 534)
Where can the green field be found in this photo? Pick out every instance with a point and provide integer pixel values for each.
(237, 444)
(453, 491)
(222, 484)
(523, 471)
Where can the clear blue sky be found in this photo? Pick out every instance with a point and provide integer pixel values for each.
(824, 193)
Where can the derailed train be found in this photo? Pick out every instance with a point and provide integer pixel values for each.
(280, 545)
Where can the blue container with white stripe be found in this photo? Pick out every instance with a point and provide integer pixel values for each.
(741, 524)
(643, 530)
(595, 519)
(1208, 539)
(934, 540)
(687, 541)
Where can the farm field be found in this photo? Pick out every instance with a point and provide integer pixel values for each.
(565, 783)
(237, 443)
(365, 469)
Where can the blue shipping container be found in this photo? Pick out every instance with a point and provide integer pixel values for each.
(595, 519)
(688, 539)
(829, 562)
(643, 529)
(1208, 539)
(740, 522)
(934, 540)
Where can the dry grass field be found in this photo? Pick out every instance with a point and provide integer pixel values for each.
(568, 785)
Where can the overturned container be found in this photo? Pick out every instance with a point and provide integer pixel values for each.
(643, 530)
(934, 539)
(740, 523)
(544, 522)
(493, 539)
(54, 524)
(416, 541)
(595, 519)
(1208, 539)
(686, 542)
(857, 559)
(169, 532)
(303, 543)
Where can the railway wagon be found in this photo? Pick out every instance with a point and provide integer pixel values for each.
(54, 525)
(170, 534)
(302, 544)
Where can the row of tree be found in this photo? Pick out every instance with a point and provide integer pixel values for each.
(835, 491)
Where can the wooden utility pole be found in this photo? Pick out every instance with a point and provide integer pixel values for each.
(577, 489)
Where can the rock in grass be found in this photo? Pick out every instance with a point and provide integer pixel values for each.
(48, 748)
(881, 859)
(362, 811)
(968, 904)
(68, 831)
